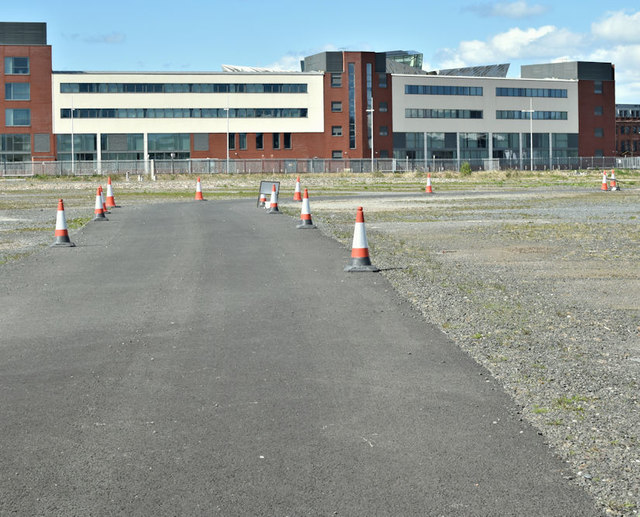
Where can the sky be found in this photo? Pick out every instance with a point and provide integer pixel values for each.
(190, 35)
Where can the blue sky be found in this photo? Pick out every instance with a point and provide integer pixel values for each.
(191, 35)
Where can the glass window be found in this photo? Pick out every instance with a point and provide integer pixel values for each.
(242, 140)
(384, 131)
(336, 80)
(599, 132)
(16, 65)
(336, 130)
(336, 155)
(383, 107)
(597, 110)
(597, 86)
(336, 106)
(17, 117)
(17, 92)
(259, 141)
(382, 80)
(287, 140)
(276, 140)
(232, 141)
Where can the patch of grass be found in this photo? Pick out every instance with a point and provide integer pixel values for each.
(570, 403)
(539, 410)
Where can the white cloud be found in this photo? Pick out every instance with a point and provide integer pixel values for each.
(618, 26)
(546, 42)
(626, 59)
(515, 10)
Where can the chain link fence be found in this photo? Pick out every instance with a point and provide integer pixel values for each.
(300, 166)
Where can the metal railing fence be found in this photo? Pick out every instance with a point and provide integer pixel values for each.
(301, 166)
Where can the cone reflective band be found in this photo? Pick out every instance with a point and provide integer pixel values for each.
(296, 194)
(199, 191)
(614, 185)
(263, 200)
(273, 205)
(104, 204)
(99, 211)
(604, 181)
(61, 234)
(360, 248)
(111, 203)
(305, 213)
(428, 188)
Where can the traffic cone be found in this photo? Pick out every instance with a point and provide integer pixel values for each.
(61, 233)
(99, 211)
(111, 202)
(428, 188)
(296, 194)
(360, 249)
(262, 203)
(604, 182)
(273, 205)
(104, 204)
(199, 191)
(305, 214)
(613, 183)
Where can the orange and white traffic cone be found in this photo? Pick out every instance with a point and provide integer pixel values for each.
(296, 194)
(305, 214)
(99, 210)
(199, 191)
(604, 182)
(110, 201)
(428, 188)
(613, 183)
(61, 233)
(273, 204)
(360, 248)
(104, 204)
(262, 202)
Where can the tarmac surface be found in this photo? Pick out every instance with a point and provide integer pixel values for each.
(206, 358)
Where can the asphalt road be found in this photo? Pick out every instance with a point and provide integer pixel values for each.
(205, 358)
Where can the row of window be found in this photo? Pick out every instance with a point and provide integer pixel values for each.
(184, 113)
(183, 88)
(556, 93)
(337, 131)
(16, 65)
(629, 130)
(478, 114)
(526, 115)
(415, 89)
(442, 113)
(426, 89)
(17, 117)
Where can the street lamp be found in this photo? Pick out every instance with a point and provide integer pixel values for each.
(530, 112)
(370, 111)
(227, 110)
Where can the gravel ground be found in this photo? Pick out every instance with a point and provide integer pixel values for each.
(542, 286)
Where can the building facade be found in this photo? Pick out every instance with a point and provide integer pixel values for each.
(628, 129)
(341, 105)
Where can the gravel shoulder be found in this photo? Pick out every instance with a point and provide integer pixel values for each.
(540, 285)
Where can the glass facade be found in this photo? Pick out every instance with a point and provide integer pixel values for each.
(526, 115)
(183, 88)
(15, 148)
(84, 147)
(352, 105)
(122, 146)
(442, 113)
(163, 145)
(531, 92)
(419, 89)
(93, 113)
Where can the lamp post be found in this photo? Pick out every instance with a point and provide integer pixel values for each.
(227, 110)
(370, 111)
(173, 155)
(530, 112)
